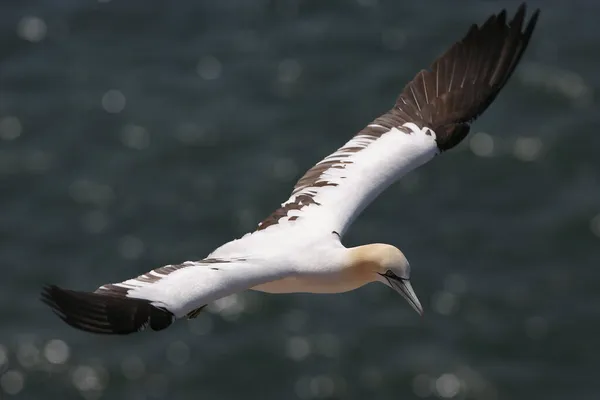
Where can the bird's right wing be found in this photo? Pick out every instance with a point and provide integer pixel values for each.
(160, 296)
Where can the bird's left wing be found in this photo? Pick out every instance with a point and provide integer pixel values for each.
(157, 298)
(432, 114)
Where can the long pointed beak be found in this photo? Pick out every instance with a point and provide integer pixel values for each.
(404, 287)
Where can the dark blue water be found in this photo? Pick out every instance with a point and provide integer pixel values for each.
(140, 133)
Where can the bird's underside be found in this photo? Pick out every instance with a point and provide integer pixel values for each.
(432, 114)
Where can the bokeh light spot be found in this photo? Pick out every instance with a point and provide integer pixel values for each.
(527, 148)
(85, 378)
(229, 307)
(10, 128)
(135, 137)
(298, 348)
(209, 68)
(113, 101)
(28, 353)
(12, 382)
(32, 28)
(482, 144)
(445, 303)
(289, 70)
(322, 386)
(56, 351)
(447, 386)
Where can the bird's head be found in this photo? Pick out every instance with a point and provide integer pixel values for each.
(388, 265)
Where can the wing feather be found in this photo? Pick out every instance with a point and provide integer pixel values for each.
(157, 298)
(432, 114)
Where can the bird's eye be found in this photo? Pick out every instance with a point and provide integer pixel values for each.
(392, 275)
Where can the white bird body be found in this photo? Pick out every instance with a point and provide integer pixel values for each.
(298, 247)
(274, 267)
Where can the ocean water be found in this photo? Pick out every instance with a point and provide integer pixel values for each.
(135, 134)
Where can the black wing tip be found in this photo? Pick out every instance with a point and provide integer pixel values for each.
(519, 16)
(523, 10)
(104, 314)
(492, 72)
(463, 82)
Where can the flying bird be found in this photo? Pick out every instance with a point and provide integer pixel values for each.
(298, 247)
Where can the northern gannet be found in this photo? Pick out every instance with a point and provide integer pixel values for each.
(298, 247)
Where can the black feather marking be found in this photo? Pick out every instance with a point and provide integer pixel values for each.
(195, 313)
(105, 313)
(466, 78)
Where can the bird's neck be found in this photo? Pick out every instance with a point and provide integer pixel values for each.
(363, 262)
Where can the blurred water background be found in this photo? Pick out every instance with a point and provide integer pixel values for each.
(137, 133)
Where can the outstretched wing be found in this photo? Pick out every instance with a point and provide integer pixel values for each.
(157, 298)
(432, 114)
